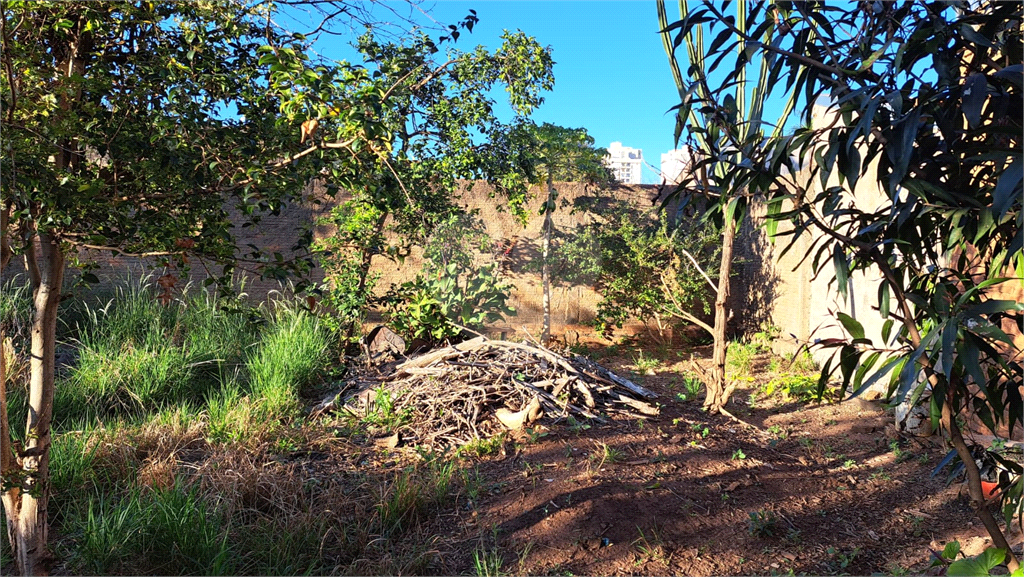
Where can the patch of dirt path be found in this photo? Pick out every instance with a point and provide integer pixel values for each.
(832, 490)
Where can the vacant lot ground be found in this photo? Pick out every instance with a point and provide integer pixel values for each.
(814, 489)
(797, 487)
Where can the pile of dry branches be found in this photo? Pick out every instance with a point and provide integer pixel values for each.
(457, 394)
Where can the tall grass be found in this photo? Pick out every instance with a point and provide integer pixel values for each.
(137, 356)
(160, 531)
(290, 354)
(151, 387)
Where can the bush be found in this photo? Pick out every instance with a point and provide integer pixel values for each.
(639, 265)
(454, 290)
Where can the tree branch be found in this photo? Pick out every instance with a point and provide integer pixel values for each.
(680, 312)
(699, 269)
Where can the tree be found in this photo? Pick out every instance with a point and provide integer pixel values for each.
(444, 129)
(137, 127)
(553, 153)
(719, 139)
(925, 100)
(641, 264)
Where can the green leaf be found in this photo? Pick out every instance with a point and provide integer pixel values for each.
(974, 95)
(1008, 188)
(951, 550)
(842, 268)
(851, 325)
(979, 566)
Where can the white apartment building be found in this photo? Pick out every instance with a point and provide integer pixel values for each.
(672, 164)
(625, 163)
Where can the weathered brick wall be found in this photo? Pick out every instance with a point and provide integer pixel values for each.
(573, 307)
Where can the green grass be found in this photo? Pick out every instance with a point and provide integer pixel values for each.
(136, 356)
(291, 353)
(166, 424)
(739, 358)
(487, 563)
(802, 388)
(157, 531)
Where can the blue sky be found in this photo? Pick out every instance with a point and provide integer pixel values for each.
(611, 72)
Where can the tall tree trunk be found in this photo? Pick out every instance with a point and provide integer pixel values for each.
(26, 499)
(718, 392)
(545, 270)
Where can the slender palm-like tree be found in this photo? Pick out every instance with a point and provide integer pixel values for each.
(720, 143)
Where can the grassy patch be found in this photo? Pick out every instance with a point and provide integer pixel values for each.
(152, 532)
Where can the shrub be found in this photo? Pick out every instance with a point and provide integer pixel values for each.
(639, 266)
(436, 305)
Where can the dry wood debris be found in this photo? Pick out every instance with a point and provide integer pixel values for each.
(457, 394)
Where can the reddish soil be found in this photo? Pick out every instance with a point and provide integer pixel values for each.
(666, 499)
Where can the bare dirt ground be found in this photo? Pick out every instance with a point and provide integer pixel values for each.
(814, 489)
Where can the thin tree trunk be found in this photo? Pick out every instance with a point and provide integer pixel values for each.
(974, 485)
(545, 270)
(26, 501)
(717, 391)
(948, 420)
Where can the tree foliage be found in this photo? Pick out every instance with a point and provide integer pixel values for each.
(553, 153)
(146, 128)
(440, 127)
(640, 265)
(924, 100)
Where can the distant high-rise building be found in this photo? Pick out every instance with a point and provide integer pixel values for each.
(672, 164)
(625, 163)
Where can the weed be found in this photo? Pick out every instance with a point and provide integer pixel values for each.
(738, 455)
(535, 435)
(883, 475)
(778, 431)
(575, 426)
(762, 523)
(691, 388)
(898, 451)
(700, 429)
(804, 363)
(845, 559)
(649, 547)
(605, 453)
(523, 556)
(799, 387)
(739, 358)
(644, 364)
(472, 482)
(288, 358)
(487, 563)
(153, 532)
(382, 412)
(482, 447)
